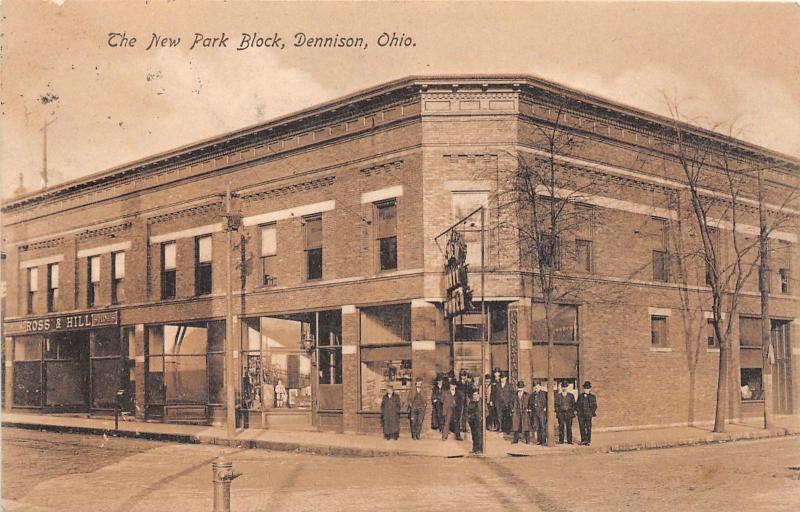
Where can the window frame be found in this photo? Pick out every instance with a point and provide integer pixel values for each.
(171, 272)
(92, 286)
(203, 270)
(32, 275)
(664, 341)
(267, 279)
(588, 267)
(311, 250)
(380, 238)
(784, 277)
(117, 282)
(52, 291)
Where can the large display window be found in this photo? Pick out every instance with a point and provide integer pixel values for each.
(385, 353)
(185, 363)
(27, 380)
(278, 369)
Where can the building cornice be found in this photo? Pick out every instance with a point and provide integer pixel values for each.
(398, 91)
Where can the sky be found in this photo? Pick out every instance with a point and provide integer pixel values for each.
(729, 64)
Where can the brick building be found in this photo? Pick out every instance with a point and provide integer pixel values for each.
(117, 281)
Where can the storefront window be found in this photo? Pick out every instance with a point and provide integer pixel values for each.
(65, 368)
(276, 371)
(106, 368)
(751, 389)
(185, 363)
(565, 333)
(564, 322)
(27, 371)
(385, 353)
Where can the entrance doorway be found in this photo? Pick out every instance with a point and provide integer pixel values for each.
(782, 371)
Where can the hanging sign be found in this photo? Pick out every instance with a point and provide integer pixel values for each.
(456, 270)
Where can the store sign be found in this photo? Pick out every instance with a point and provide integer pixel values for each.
(63, 323)
(456, 270)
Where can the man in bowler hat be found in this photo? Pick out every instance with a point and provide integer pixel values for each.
(417, 404)
(475, 417)
(493, 422)
(565, 411)
(537, 404)
(436, 401)
(519, 414)
(450, 399)
(586, 407)
(390, 413)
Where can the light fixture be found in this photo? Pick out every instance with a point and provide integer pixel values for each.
(308, 342)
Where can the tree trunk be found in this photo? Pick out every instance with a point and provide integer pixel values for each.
(551, 394)
(692, 394)
(763, 287)
(722, 387)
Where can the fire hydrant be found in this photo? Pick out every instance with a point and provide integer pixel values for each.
(223, 476)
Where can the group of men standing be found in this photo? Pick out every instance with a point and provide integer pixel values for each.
(456, 406)
(517, 413)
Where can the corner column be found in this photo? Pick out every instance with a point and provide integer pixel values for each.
(520, 341)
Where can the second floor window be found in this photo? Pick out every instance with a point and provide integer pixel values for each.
(33, 287)
(52, 287)
(93, 286)
(117, 277)
(583, 253)
(549, 253)
(660, 266)
(313, 247)
(168, 270)
(386, 232)
(269, 248)
(783, 275)
(202, 269)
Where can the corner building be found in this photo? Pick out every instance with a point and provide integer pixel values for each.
(116, 283)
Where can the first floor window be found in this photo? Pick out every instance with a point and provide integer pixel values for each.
(658, 331)
(711, 336)
(549, 254)
(751, 388)
(93, 286)
(381, 366)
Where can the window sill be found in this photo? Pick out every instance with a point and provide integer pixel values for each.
(712, 350)
(660, 349)
(751, 401)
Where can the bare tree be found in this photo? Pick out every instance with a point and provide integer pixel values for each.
(719, 192)
(549, 200)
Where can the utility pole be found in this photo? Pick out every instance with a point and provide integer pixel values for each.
(484, 332)
(44, 152)
(763, 288)
(232, 223)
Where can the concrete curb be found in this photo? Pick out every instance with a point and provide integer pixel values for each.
(346, 451)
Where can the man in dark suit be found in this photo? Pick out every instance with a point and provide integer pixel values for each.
(474, 415)
(538, 406)
(586, 407)
(505, 399)
(565, 411)
(449, 419)
(494, 411)
(390, 413)
(436, 402)
(464, 388)
(417, 403)
(519, 414)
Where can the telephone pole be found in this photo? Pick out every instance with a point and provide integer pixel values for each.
(232, 223)
(44, 152)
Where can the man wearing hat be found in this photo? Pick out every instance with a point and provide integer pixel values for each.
(537, 404)
(519, 414)
(417, 403)
(474, 416)
(495, 408)
(436, 401)
(390, 413)
(449, 420)
(565, 411)
(506, 397)
(586, 406)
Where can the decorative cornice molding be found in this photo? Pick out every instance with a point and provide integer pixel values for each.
(109, 231)
(201, 209)
(43, 244)
(382, 168)
(290, 189)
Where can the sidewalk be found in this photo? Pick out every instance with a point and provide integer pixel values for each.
(329, 443)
